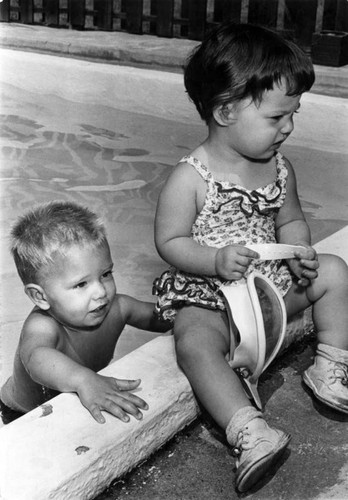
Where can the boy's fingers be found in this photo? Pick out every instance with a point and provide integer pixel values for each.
(126, 385)
(128, 402)
(96, 414)
(122, 413)
(137, 402)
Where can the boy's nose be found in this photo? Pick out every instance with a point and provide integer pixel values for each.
(99, 291)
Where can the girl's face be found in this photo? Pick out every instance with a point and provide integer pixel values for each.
(258, 130)
(81, 288)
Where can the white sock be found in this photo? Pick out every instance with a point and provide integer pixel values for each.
(239, 420)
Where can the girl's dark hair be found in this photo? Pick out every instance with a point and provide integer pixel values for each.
(236, 61)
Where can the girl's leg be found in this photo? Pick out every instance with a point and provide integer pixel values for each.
(328, 294)
(328, 376)
(202, 342)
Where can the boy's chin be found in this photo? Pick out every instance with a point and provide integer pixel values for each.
(86, 328)
(95, 326)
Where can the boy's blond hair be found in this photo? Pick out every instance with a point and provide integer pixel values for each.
(49, 230)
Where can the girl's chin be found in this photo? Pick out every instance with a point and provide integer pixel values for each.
(262, 157)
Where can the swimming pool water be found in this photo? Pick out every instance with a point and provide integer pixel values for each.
(97, 152)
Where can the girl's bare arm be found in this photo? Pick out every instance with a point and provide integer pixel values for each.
(176, 212)
(292, 228)
(291, 225)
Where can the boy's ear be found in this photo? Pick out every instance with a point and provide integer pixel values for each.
(37, 295)
(224, 114)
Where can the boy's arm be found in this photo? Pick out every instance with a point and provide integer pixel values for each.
(142, 315)
(52, 368)
(292, 228)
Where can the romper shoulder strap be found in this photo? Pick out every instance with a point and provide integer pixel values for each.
(282, 171)
(198, 166)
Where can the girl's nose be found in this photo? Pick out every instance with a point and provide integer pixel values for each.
(288, 126)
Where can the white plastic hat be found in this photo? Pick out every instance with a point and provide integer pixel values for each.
(257, 315)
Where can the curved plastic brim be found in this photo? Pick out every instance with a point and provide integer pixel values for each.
(257, 318)
(243, 327)
(270, 304)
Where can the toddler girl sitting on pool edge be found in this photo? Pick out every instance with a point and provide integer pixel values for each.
(236, 189)
(63, 258)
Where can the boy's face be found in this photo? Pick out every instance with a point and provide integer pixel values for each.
(259, 129)
(81, 287)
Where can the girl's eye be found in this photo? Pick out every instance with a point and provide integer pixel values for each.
(279, 117)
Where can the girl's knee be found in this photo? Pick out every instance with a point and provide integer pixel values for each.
(199, 340)
(333, 269)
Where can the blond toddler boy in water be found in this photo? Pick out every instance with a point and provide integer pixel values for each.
(63, 258)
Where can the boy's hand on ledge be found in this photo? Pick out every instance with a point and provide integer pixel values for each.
(112, 395)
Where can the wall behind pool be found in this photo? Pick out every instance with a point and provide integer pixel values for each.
(156, 93)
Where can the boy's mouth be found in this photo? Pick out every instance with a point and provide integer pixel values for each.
(99, 309)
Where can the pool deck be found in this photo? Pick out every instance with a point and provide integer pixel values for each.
(166, 54)
(195, 464)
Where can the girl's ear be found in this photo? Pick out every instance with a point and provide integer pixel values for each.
(224, 114)
(37, 295)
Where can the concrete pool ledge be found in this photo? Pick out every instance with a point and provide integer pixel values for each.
(58, 451)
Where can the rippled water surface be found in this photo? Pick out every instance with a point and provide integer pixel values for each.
(112, 161)
(115, 162)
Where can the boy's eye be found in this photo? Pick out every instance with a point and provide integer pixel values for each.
(107, 274)
(81, 284)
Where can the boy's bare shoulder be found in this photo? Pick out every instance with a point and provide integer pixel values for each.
(39, 330)
(40, 322)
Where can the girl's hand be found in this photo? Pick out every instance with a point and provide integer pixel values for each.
(305, 264)
(112, 395)
(232, 261)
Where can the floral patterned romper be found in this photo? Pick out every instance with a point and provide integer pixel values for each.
(231, 214)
